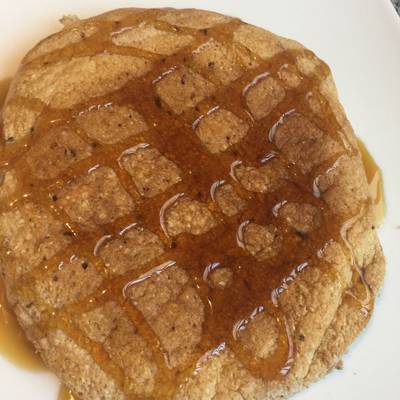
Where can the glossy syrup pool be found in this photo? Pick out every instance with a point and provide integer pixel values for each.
(251, 276)
(65, 394)
(375, 182)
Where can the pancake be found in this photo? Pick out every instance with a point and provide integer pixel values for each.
(184, 209)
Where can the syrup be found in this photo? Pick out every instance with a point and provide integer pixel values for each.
(65, 394)
(375, 182)
(252, 279)
(13, 344)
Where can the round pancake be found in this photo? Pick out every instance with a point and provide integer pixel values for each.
(184, 210)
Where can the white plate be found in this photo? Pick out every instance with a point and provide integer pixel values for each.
(360, 40)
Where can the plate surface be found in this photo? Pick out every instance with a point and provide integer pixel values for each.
(359, 39)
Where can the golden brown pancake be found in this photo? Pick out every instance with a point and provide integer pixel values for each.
(184, 210)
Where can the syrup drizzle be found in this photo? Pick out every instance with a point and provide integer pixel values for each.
(199, 178)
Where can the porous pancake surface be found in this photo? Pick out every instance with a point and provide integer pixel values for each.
(184, 210)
